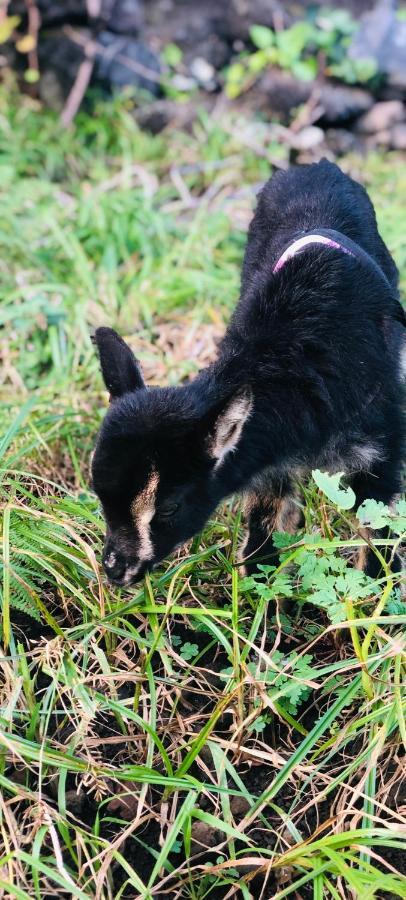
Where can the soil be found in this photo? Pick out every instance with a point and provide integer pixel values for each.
(255, 776)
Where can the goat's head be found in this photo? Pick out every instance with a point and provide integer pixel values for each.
(157, 463)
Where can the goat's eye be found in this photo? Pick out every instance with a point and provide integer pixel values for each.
(167, 510)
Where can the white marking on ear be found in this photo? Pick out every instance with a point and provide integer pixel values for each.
(143, 510)
(229, 426)
(403, 362)
(90, 463)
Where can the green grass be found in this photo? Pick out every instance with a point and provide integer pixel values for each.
(195, 710)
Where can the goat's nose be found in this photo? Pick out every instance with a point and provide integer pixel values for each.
(114, 564)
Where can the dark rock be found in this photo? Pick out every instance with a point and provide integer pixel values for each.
(59, 60)
(239, 807)
(298, 8)
(124, 62)
(53, 12)
(333, 103)
(188, 24)
(154, 117)
(124, 804)
(398, 137)
(341, 141)
(75, 802)
(382, 37)
(122, 16)
(381, 116)
(51, 91)
(244, 13)
(183, 23)
(203, 837)
(389, 92)
(341, 104)
(216, 51)
(118, 62)
(279, 92)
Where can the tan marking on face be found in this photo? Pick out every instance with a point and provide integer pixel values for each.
(142, 511)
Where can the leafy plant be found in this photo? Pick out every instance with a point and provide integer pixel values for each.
(343, 497)
(297, 48)
(284, 681)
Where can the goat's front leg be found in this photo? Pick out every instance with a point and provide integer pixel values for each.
(270, 508)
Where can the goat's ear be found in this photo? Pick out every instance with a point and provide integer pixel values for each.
(120, 369)
(229, 424)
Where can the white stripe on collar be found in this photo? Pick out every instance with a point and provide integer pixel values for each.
(306, 241)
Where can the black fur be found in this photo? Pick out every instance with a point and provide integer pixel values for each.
(312, 354)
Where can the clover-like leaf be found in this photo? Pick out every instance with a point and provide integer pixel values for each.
(189, 651)
(373, 513)
(343, 497)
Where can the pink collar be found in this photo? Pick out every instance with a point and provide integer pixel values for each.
(304, 242)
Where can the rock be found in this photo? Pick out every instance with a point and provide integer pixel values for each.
(53, 12)
(203, 837)
(380, 139)
(215, 50)
(341, 141)
(239, 807)
(125, 804)
(340, 103)
(398, 137)
(121, 16)
(279, 92)
(119, 62)
(59, 61)
(307, 139)
(204, 72)
(183, 23)
(154, 117)
(298, 8)
(76, 802)
(125, 62)
(51, 91)
(381, 117)
(382, 37)
(241, 14)
(206, 755)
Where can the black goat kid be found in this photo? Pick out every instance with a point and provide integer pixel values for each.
(308, 375)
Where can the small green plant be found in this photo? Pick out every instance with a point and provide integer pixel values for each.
(301, 49)
(285, 681)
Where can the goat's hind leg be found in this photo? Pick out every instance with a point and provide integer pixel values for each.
(271, 507)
